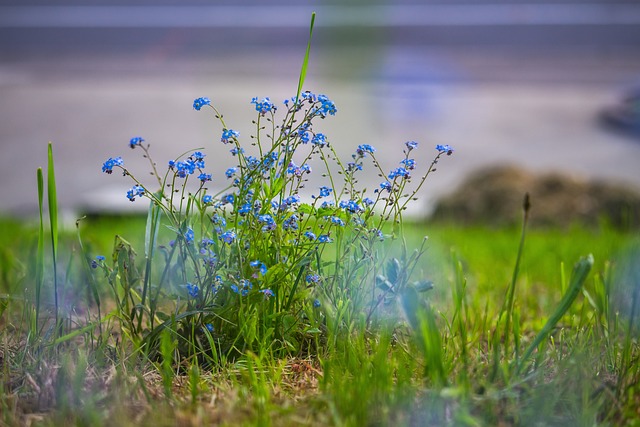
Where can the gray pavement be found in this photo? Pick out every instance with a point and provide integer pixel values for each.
(543, 126)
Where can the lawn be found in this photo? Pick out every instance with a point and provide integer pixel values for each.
(451, 364)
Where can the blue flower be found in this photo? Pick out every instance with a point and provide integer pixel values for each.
(228, 237)
(260, 266)
(237, 150)
(134, 192)
(270, 160)
(189, 235)
(325, 191)
(245, 209)
(108, 166)
(230, 172)
(207, 199)
(268, 221)
(327, 106)
(327, 204)
(252, 162)
(312, 278)
(137, 140)
(234, 288)
(309, 235)
(444, 149)
(193, 290)
(319, 139)
(291, 223)
(399, 172)
(363, 149)
(367, 201)
(219, 220)
(350, 206)
(95, 262)
(264, 106)
(268, 293)
(378, 234)
(228, 198)
(411, 145)
(205, 243)
(337, 221)
(324, 238)
(209, 327)
(183, 169)
(291, 200)
(409, 164)
(228, 134)
(201, 102)
(304, 136)
(293, 169)
(204, 177)
(316, 303)
(211, 260)
(352, 167)
(198, 158)
(385, 186)
(246, 286)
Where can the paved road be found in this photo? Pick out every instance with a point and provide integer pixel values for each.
(528, 95)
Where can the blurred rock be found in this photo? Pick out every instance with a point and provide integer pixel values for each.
(494, 196)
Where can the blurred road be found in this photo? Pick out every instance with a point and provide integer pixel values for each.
(501, 82)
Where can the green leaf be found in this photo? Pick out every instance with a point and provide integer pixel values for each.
(305, 62)
(423, 285)
(52, 199)
(40, 255)
(578, 277)
(393, 270)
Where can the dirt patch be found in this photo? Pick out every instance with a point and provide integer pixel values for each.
(494, 196)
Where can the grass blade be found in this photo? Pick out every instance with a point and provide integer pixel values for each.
(53, 221)
(579, 275)
(40, 254)
(526, 205)
(305, 62)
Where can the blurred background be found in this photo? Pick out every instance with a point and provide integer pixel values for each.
(542, 85)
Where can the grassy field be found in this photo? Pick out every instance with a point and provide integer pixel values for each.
(458, 354)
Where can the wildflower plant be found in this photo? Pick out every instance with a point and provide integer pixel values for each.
(253, 262)
(253, 259)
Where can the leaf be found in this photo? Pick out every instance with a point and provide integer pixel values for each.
(423, 285)
(393, 270)
(383, 283)
(40, 255)
(578, 277)
(305, 62)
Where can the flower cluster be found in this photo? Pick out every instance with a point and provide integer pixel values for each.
(254, 233)
(108, 166)
(201, 102)
(265, 106)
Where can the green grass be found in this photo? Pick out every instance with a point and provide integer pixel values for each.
(439, 361)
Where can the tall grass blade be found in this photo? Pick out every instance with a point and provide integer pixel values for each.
(526, 205)
(53, 222)
(305, 62)
(40, 254)
(578, 277)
